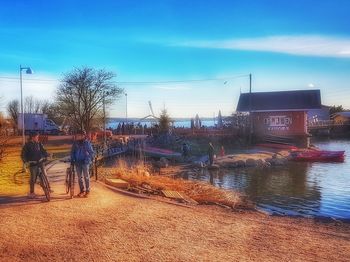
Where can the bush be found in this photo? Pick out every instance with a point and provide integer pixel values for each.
(164, 121)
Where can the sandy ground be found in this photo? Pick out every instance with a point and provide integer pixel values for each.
(109, 226)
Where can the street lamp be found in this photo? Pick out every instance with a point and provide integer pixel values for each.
(104, 119)
(28, 71)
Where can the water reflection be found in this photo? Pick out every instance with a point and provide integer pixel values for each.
(317, 189)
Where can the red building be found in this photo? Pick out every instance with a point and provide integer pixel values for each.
(280, 116)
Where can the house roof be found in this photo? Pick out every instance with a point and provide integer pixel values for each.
(344, 114)
(278, 101)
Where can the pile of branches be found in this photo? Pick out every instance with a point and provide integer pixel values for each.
(140, 177)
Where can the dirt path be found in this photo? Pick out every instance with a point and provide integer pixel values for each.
(111, 227)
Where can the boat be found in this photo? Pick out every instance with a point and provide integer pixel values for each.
(161, 152)
(312, 155)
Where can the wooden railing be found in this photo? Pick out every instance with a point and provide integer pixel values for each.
(326, 124)
(204, 132)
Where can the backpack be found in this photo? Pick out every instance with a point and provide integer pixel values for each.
(81, 153)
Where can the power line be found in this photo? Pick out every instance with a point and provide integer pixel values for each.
(183, 81)
(29, 79)
(138, 82)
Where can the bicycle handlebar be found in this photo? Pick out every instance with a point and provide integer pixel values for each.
(41, 160)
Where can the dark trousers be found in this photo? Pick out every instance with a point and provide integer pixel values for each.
(34, 171)
(211, 159)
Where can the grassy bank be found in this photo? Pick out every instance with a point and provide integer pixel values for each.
(12, 180)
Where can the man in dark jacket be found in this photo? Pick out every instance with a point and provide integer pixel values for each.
(211, 153)
(33, 150)
(185, 151)
(82, 155)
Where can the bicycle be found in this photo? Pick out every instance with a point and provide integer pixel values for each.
(44, 183)
(70, 180)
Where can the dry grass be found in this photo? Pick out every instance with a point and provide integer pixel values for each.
(12, 180)
(139, 175)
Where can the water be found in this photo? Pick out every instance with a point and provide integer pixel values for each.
(178, 123)
(306, 189)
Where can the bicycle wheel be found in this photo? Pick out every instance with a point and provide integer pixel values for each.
(45, 186)
(71, 182)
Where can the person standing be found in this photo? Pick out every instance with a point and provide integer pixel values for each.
(33, 151)
(82, 155)
(222, 151)
(185, 151)
(211, 153)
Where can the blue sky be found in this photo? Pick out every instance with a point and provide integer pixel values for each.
(284, 44)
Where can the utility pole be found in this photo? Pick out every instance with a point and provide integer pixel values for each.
(250, 110)
(104, 122)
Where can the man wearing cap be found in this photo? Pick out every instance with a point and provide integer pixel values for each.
(33, 150)
(82, 155)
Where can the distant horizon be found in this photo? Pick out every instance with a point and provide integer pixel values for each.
(121, 119)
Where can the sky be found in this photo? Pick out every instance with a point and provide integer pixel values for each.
(162, 45)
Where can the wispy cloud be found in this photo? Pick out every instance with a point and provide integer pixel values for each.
(305, 45)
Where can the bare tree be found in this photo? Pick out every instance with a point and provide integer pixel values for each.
(33, 105)
(82, 93)
(28, 104)
(13, 111)
(52, 112)
(3, 136)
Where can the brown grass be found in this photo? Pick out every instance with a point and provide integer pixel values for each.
(12, 180)
(139, 175)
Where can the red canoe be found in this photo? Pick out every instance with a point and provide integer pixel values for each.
(319, 156)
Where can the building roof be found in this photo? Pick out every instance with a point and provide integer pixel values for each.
(280, 101)
(343, 114)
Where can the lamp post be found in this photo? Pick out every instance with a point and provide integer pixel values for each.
(28, 71)
(104, 119)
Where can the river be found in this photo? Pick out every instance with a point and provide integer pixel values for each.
(299, 189)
